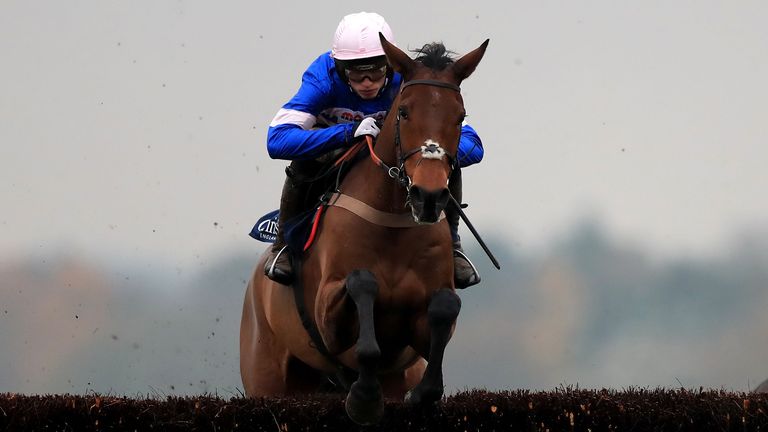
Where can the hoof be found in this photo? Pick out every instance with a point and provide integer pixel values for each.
(364, 413)
(364, 408)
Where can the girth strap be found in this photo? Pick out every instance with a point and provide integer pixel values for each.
(372, 215)
(317, 343)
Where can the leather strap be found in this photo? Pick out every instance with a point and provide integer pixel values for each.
(316, 341)
(376, 217)
(434, 83)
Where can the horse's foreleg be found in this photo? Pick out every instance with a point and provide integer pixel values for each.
(442, 312)
(365, 404)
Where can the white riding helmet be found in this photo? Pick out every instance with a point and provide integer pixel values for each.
(357, 36)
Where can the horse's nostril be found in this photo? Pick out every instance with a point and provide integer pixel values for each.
(437, 198)
(428, 204)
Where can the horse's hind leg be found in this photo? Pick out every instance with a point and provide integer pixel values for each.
(365, 404)
(442, 312)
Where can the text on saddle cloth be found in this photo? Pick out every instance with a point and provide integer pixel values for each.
(296, 230)
(266, 227)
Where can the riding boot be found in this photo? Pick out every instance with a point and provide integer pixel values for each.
(465, 273)
(278, 266)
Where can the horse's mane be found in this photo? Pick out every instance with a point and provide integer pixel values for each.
(434, 56)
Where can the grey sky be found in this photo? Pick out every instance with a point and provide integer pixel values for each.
(134, 131)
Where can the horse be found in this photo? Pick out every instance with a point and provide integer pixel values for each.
(378, 302)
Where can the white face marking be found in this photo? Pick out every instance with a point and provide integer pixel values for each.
(432, 150)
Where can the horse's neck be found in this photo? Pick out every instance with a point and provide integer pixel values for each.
(369, 183)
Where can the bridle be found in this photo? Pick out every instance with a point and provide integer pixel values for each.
(428, 151)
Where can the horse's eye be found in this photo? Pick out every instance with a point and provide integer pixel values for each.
(402, 112)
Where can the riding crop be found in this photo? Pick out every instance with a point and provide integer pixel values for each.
(474, 232)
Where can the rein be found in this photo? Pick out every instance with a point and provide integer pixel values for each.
(429, 150)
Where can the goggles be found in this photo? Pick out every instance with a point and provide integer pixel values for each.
(374, 74)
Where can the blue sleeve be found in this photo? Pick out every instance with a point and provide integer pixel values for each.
(470, 147)
(291, 134)
(290, 141)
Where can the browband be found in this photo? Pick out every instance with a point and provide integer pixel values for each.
(435, 83)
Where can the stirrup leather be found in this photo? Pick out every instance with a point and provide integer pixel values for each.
(271, 272)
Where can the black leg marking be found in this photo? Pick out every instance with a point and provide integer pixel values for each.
(442, 312)
(365, 404)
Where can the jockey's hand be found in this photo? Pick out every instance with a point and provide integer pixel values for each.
(367, 126)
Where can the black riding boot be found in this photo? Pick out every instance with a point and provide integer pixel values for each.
(293, 202)
(464, 272)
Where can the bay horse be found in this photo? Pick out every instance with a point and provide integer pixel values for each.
(378, 300)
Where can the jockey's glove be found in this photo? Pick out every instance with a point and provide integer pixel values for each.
(367, 126)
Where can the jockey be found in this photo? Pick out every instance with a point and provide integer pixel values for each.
(343, 94)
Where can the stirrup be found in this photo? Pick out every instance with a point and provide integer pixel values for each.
(271, 271)
(476, 274)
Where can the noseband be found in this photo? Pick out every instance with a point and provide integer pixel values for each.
(431, 150)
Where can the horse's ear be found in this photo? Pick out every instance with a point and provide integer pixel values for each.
(464, 66)
(399, 60)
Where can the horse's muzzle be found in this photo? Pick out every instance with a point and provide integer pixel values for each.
(427, 206)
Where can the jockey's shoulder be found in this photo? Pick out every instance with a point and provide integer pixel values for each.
(322, 66)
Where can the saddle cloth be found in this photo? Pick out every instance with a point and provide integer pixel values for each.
(266, 227)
